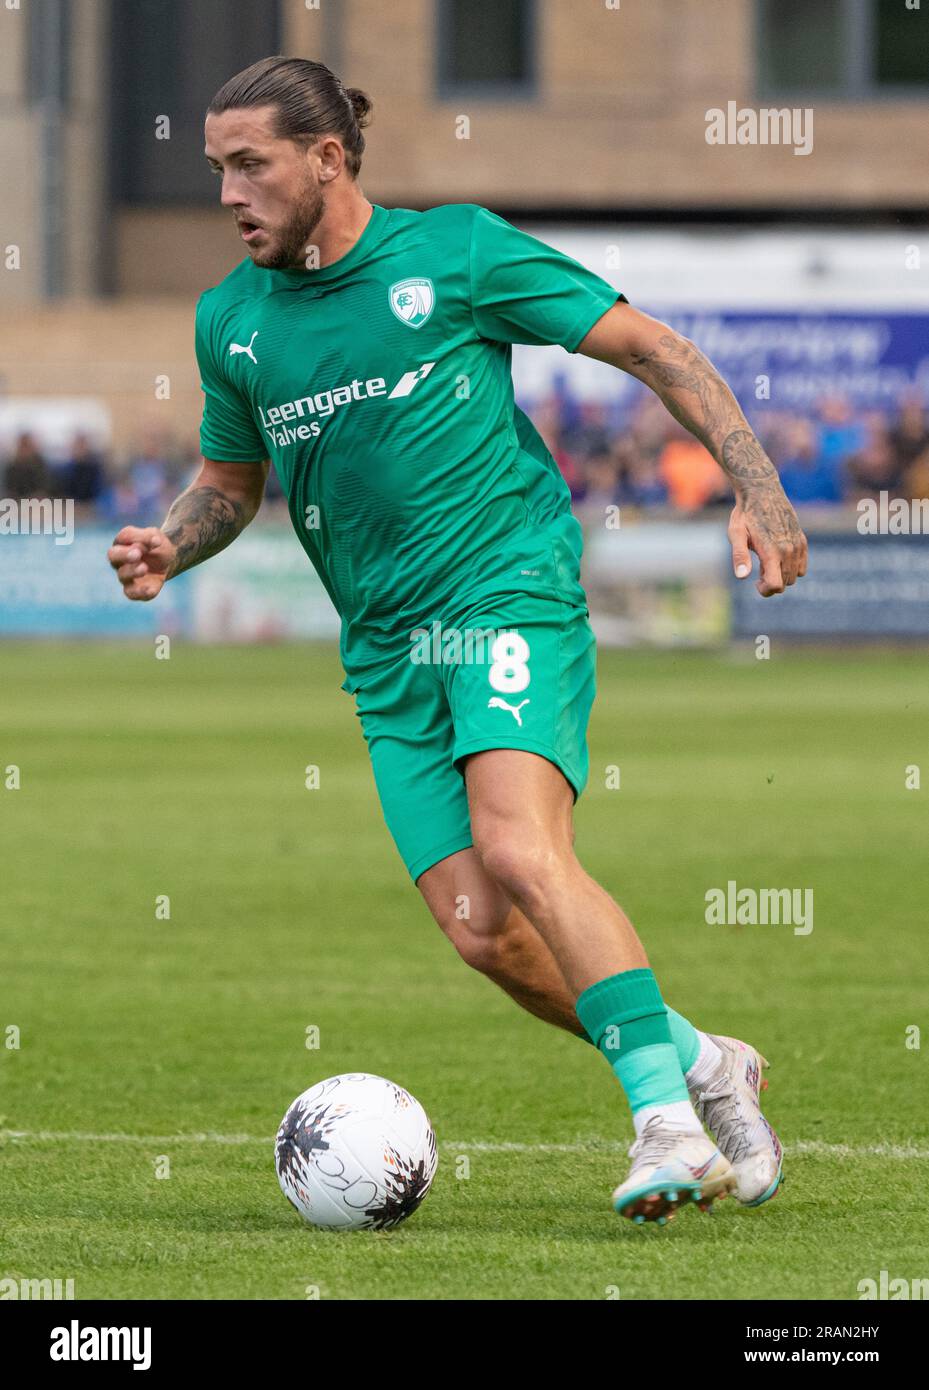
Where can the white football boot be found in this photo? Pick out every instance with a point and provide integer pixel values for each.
(728, 1105)
(671, 1167)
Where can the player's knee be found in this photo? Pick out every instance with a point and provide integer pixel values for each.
(524, 868)
(482, 944)
(481, 953)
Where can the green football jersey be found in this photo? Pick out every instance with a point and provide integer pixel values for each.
(380, 387)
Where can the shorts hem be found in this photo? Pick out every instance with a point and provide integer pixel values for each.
(526, 745)
(442, 851)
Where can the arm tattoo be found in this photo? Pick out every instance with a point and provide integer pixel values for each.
(200, 523)
(696, 395)
(747, 464)
(772, 517)
(679, 372)
(744, 459)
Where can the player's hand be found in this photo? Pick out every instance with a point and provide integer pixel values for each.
(142, 558)
(764, 521)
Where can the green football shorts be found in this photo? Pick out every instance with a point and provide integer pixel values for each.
(520, 674)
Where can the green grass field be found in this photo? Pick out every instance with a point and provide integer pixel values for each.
(142, 1038)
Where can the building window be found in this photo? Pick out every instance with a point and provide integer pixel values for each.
(843, 49)
(902, 48)
(485, 48)
(161, 65)
(48, 71)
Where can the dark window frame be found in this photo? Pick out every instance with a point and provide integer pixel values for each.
(448, 88)
(48, 52)
(127, 190)
(859, 81)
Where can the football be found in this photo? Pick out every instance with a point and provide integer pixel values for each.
(355, 1152)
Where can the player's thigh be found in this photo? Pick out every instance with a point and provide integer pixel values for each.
(408, 729)
(529, 684)
(521, 806)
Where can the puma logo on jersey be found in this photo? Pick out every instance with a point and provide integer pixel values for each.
(237, 347)
(496, 703)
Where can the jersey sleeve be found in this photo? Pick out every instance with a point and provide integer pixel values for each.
(227, 429)
(523, 291)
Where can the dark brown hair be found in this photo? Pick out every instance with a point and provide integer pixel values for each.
(308, 99)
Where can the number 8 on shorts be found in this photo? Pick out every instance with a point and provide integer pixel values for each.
(509, 672)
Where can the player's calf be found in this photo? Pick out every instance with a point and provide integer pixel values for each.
(493, 936)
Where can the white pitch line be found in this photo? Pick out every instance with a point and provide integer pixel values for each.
(43, 1136)
(815, 1147)
(811, 1146)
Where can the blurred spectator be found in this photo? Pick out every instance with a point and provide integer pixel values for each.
(840, 434)
(602, 482)
(807, 475)
(916, 478)
(650, 427)
(562, 401)
(153, 476)
(26, 473)
(644, 485)
(875, 468)
(592, 435)
(118, 505)
(693, 477)
(83, 474)
(910, 438)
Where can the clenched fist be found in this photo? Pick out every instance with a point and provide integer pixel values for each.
(142, 557)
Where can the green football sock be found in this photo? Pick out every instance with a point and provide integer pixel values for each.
(627, 1020)
(683, 1035)
(685, 1038)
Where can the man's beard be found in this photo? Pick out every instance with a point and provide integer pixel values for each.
(292, 250)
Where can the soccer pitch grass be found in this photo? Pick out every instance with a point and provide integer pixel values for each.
(142, 1038)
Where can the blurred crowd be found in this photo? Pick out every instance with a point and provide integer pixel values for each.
(631, 455)
(137, 489)
(639, 456)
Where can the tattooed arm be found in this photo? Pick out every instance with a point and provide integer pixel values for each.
(693, 391)
(202, 521)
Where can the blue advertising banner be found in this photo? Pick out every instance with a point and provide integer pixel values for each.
(263, 588)
(872, 359)
(772, 361)
(53, 590)
(857, 586)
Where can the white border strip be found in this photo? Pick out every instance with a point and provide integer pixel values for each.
(813, 1147)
